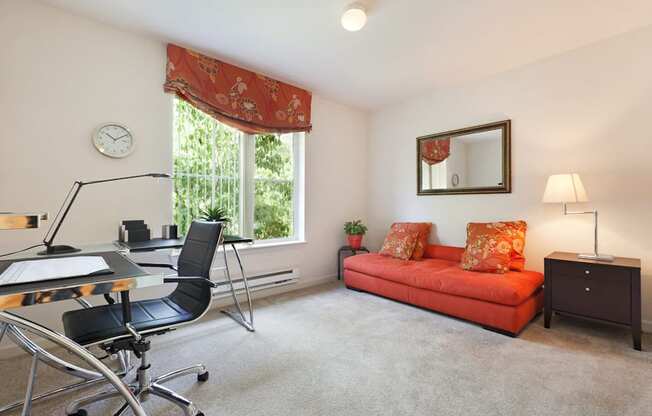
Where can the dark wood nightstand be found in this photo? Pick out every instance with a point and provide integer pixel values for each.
(594, 289)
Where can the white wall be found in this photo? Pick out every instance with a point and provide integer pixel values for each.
(586, 111)
(61, 75)
(484, 162)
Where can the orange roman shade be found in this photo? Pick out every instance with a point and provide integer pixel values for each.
(434, 151)
(240, 98)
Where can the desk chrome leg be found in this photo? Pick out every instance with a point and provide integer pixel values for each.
(29, 391)
(81, 352)
(239, 317)
(57, 363)
(3, 331)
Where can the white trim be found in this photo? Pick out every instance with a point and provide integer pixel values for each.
(248, 183)
(298, 198)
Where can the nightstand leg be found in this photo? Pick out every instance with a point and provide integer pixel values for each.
(547, 314)
(636, 335)
(636, 308)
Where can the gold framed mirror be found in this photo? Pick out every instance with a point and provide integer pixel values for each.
(472, 160)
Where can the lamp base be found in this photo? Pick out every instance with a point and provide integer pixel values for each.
(62, 249)
(597, 257)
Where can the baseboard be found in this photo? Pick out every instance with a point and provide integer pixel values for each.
(301, 284)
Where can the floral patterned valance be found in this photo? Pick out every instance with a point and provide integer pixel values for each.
(243, 99)
(434, 151)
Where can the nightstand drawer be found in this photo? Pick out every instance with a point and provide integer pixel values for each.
(589, 271)
(601, 296)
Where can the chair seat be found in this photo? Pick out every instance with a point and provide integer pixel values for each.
(107, 323)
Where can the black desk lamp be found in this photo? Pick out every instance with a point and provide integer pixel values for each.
(65, 207)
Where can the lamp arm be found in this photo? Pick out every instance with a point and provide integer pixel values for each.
(567, 212)
(74, 190)
(146, 175)
(76, 187)
(595, 224)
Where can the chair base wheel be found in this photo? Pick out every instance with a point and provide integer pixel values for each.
(202, 377)
(80, 412)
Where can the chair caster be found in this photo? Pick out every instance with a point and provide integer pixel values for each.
(80, 412)
(202, 377)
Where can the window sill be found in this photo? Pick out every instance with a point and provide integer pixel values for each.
(244, 248)
(270, 245)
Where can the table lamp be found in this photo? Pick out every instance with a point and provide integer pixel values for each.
(67, 204)
(567, 188)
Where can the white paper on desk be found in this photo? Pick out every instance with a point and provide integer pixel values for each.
(49, 269)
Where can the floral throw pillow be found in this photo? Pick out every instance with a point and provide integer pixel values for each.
(495, 247)
(400, 243)
(423, 228)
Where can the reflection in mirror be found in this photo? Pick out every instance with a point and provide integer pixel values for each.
(465, 161)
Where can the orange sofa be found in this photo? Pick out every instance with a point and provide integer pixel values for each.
(505, 303)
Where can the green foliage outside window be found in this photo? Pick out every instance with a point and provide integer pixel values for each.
(208, 175)
(273, 209)
(206, 167)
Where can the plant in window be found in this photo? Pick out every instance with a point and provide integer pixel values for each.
(215, 214)
(354, 231)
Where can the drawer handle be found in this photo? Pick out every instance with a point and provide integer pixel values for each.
(587, 272)
(587, 289)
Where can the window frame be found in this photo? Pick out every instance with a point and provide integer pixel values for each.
(248, 182)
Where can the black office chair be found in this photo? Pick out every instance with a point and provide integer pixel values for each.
(103, 325)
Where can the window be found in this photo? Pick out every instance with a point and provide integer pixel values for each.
(256, 179)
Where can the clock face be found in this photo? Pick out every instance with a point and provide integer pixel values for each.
(113, 140)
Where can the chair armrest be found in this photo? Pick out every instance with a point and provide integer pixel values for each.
(167, 266)
(182, 279)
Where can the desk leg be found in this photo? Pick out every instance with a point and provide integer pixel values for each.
(81, 352)
(239, 317)
(90, 377)
(29, 391)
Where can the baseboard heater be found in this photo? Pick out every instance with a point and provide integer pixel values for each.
(258, 282)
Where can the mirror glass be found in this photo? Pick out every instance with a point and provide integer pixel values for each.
(471, 160)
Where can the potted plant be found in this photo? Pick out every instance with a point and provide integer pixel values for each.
(214, 214)
(354, 231)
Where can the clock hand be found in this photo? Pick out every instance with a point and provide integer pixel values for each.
(123, 136)
(109, 135)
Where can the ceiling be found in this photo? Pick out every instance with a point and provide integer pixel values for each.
(407, 47)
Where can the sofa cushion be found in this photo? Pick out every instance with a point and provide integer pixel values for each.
(511, 288)
(423, 228)
(495, 247)
(445, 276)
(389, 268)
(400, 243)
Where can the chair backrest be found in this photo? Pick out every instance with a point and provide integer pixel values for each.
(195, 259)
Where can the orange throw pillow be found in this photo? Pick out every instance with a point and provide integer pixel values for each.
(495, 247)
(400, 243)
(423, 228)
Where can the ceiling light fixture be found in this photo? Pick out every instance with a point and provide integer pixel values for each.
(354, 17)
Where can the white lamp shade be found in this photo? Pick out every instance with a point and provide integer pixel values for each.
(354, 18)
(565, 188)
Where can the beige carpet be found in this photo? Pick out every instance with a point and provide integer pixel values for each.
(331, 351)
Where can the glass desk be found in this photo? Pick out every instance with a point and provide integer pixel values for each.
(125, 277)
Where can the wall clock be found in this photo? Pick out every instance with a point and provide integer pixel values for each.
(113, 140)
